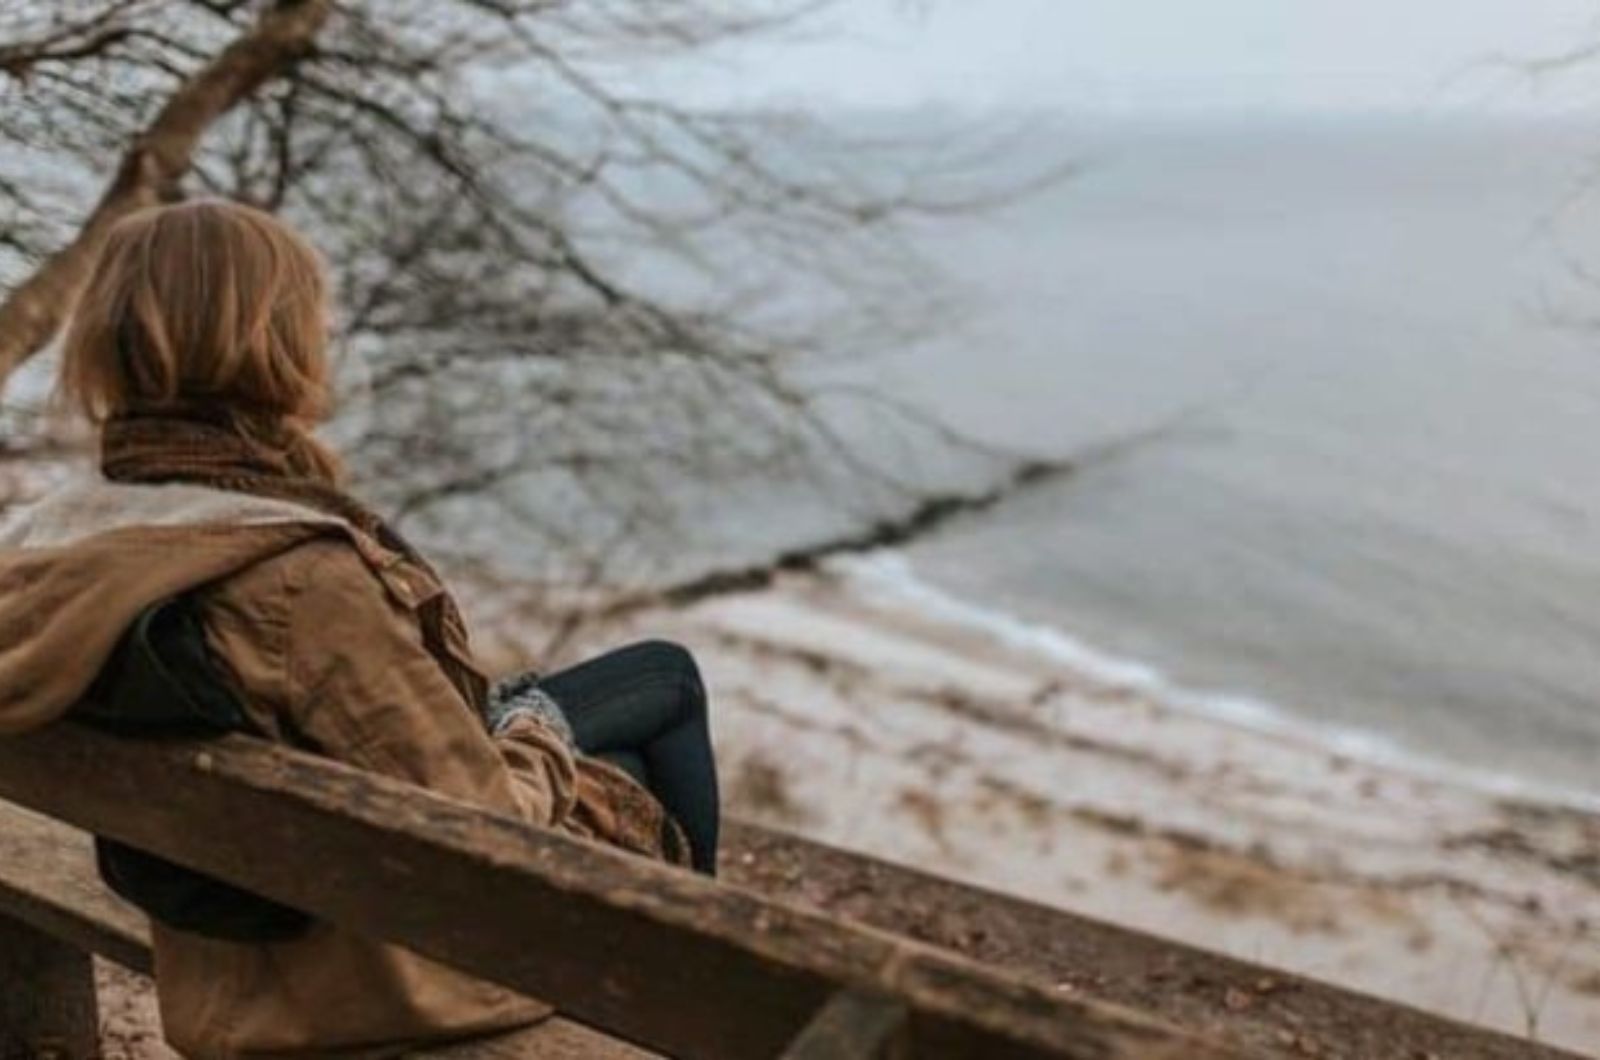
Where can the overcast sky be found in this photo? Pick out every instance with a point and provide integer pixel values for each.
(1176, 54)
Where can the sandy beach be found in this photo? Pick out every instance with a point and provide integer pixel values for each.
(851, 718)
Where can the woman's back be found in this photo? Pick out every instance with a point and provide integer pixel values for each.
(330, 660)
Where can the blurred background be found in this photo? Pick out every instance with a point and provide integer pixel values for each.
(1337, 256)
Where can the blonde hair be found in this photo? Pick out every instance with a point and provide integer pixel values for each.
(207, 305)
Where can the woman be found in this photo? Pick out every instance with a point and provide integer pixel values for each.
(199, 349)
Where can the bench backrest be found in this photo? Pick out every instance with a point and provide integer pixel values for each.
(675, 962)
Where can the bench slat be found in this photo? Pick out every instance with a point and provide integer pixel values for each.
(48, 879)
(852, 1026)
(652, 954)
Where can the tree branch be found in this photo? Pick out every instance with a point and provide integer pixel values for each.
(152, 167)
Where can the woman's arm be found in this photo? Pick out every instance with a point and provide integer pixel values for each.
(363, 688)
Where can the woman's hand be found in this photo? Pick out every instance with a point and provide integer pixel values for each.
(522, 695)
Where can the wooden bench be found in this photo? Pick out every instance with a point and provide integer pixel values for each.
(629, 950)
(55, 914)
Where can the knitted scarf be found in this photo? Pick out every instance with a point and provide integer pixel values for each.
(200, 447)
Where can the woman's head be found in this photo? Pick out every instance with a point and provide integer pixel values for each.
(205, 304)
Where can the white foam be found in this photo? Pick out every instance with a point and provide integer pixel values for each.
(888, 577)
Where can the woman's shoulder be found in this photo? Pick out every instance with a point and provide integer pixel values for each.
(349, 570)
(327, 568)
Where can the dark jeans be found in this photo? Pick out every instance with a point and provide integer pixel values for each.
(643, 708)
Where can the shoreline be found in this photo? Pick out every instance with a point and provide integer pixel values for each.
(846, 718)
(890, 578)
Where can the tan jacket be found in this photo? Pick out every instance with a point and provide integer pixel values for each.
(322, 629)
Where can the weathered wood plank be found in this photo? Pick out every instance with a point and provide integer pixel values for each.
(853, 1026)
(47, 1002)
(48, 879)
(1135, 968)
(656, 955)
(1187, 986)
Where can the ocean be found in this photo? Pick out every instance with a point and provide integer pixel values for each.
(1372, 508)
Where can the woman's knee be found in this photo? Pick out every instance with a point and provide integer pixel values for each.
(663, 655)
(669, 656)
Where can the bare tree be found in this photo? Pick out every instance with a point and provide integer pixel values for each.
(157, 157)
(572, 298)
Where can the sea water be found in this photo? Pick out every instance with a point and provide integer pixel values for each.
(1373, 499)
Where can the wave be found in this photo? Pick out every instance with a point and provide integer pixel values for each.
(888, 577)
